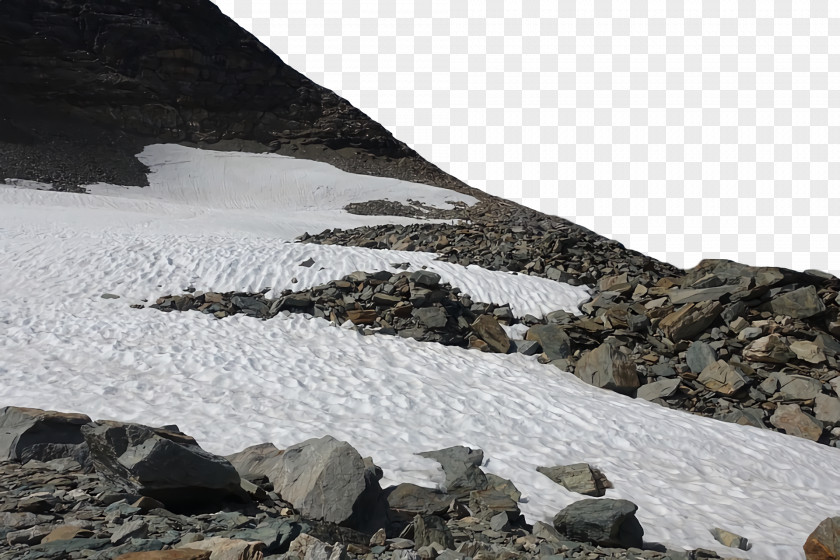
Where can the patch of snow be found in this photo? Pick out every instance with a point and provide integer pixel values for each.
(518, 331)
(267, 182)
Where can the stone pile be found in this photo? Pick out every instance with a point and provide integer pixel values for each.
(408, 304)
(500, 235)
(152, 493)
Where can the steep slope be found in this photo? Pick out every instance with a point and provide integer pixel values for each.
(103, 78)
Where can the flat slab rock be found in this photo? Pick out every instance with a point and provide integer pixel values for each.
(579, 477)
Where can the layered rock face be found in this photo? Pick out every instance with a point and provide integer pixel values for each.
(177, 72)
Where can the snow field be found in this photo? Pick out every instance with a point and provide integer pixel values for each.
(241, 381)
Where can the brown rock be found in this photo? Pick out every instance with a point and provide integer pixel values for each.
(824, 542)
(807, 351)
(488, 328)
(722, 378)
(690, 320)
(791, 419)
(229, 549)
(65, 532)
(608, 368)
(362, 316)
(769, 349)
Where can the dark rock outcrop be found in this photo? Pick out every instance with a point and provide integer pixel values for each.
(85, 83)
(42, 435)
(160, 463)
(604, 522)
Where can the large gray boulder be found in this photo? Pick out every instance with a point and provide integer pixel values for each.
(608, 368)
(603, 522)
(327, 479)
(256, 461)
(461, 466)
(42, 435)
(160, 463)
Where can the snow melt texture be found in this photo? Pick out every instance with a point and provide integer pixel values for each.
(241, 381)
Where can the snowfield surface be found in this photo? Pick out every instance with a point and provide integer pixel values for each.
(240, 381)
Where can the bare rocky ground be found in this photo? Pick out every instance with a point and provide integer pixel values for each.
(72, 488)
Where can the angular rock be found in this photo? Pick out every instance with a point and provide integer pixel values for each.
(307, 547)
(256, 461)
(744, 417)
(527, 347)
(431, 529)
(807, 351)
(327, 479)
(135, 529)
(729, 539)
(828, 344)
(770, 349)
(662, 389)
(699, 355)
(175, 554)
(603, 522)
(553, 339)
(229, 549)
(485, 504)
(798, 387)
(42, 435)
(432, 317)
(722, 378)
(579, 477)
(500, 522)
(362, 316)
(827, 409)
(64, 532)
(608, 368)
(385, 300)
(275, 533)
(461, 466)
(30, 536)
(425, 279)
(690, 320)
(791, 419)
(159, 463)
(824, 542)
(408, 500)
(799, 304)
(504, 486)
(488, 328)
(697, 295)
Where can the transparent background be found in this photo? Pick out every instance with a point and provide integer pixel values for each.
(684, 130)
